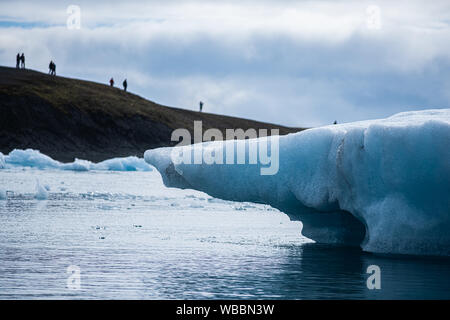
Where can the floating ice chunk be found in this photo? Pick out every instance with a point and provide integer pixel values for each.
(30, 158)
(2, 194)
(77, 165)
(123, 164)
(41, 192)
(381, 184)
(2, 161)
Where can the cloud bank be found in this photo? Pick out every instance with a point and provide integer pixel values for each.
(297, 63)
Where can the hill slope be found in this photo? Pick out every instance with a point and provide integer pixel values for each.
(67, 118)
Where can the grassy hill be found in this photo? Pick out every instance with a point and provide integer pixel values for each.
(67, 118)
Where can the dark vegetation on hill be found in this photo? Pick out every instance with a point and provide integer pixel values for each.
(67, 118)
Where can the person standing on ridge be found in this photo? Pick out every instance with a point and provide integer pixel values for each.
(111, 82)
(125, 85)
(18, 61)
(201, 106)
(22, 60)
(52, 68)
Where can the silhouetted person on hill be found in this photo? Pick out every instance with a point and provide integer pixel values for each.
(111, 82)
(18, 61)
(201, 106)
(22, 60)
(125, 85)
(52, 68)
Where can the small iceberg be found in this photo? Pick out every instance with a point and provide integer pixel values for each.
(2, 161)
(2, 194)
(35, 159)
(41, 191)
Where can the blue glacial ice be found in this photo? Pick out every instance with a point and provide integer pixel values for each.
(2, 161)
(382, 184)
(35, 159)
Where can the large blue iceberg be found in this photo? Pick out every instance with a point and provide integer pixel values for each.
(382, 184)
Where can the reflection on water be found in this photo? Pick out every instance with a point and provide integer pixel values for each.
(134, 239)
(315, 271)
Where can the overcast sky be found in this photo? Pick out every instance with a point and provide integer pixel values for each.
(297, 63)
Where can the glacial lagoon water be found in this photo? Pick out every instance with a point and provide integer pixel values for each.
(133, 238)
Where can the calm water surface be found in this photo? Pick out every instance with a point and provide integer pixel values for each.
(133, 238)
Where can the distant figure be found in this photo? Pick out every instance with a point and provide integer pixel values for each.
(52, 68)
(335, 122)
(18, 61)
(22, 60)
(201, 106)
(125, 85)
(111, 82)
